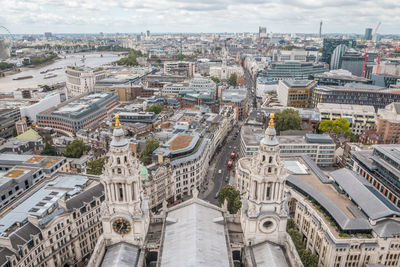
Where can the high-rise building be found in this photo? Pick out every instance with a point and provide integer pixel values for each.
(347, 59)
(330, 44)
(292, 70)
(368, 34)
(295, 93)
(355, 93)
(262, 31)
(320, 29)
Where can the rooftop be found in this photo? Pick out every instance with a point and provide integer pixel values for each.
(323, 107)
(344, 195)
(308, 138)
(16, 172)
(336, 204)
(29, 135)
(252, 135)
(298, 83)
(180, 141)
(195, 236)
(81, 106)
(43, 200)
(234, 95)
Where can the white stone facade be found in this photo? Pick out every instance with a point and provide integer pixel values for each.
(262, 177)
(80, 81)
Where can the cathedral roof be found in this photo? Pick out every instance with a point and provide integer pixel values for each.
(195, 236)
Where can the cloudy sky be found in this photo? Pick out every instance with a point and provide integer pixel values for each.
(290, 16)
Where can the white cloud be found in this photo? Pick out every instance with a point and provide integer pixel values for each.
(37, 16)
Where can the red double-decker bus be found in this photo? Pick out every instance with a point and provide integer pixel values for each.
(230, 164)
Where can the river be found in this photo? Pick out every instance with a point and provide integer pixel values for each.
(7, 84)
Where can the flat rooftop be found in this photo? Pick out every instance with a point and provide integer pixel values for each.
(297, 83)
(17, 172)
(252, 135)
(302, 139)
(81, 106)
(180, 141)
(330, 107)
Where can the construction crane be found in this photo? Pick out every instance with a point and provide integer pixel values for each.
(380, 56)
(366, 49)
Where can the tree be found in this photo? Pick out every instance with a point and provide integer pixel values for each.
(181, 56)
(49, 150)
(75, 149)
(215, 79)
(151, 145)
(288, 119)
(130, 60)
(307, 258)
(95, 166)
(232, 81)
(338, 126)
(155, 108)
(232, 195)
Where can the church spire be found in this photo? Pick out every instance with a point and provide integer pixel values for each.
(118, 138)
(270, 133)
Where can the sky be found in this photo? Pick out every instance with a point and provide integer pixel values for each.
(134, 16)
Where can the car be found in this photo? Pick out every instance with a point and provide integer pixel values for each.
(227, 179)
(216, 195)
(219, 171)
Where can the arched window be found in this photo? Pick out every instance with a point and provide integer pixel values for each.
(263, 158)
(269, 169)
(119, 171)
(125, 159)
(270, 159)
(118, 161)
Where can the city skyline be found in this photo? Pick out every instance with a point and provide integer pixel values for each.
(288, 16)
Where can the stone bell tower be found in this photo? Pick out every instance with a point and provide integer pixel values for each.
(125, 214)
(264, 215)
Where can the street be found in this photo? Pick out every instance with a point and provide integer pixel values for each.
(217, 180)
(231, 144)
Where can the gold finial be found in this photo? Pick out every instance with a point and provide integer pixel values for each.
(271, 120)
(117, 124)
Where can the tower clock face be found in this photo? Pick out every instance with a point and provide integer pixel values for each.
(121, 226)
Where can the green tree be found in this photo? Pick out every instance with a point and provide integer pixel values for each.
(215, 79)
(95, 166)
(307, 258)
(181, 56)
(325, 126)
(131, 59)
(232, 195)
(49, 150)
(151, 145)
(5, 65)
(288, 119)
(338, 126)
(155, 108)
(232, 81)
(75, 149)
